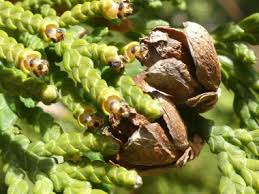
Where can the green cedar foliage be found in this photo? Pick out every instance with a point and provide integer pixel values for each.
(42, 155)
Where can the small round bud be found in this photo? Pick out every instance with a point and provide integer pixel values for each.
(49, 94)
(32, 63)
(116, 106)
(130, 51)
(117, 65)
(125, 9)
(39, 67)
(53, 33)
(90, 119)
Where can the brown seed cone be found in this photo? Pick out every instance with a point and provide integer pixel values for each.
(148, 145)
(173, 77)
(204, 55)
(182, 64)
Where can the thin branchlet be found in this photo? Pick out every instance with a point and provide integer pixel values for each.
(74, 143)
(17, 83)
(108, 9)
(82, 70)
(99, 52)
(26, 59)
(14, 17)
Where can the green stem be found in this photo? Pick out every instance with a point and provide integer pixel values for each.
(107, 9)
(14, 17)
(100, 172)
(69, 144)
(17, 83)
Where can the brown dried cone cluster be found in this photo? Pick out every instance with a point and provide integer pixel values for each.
(183, 64)
(183, 73)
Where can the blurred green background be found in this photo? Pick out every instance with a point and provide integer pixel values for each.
(200, 176)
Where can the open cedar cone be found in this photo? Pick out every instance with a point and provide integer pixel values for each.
(182, 73)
